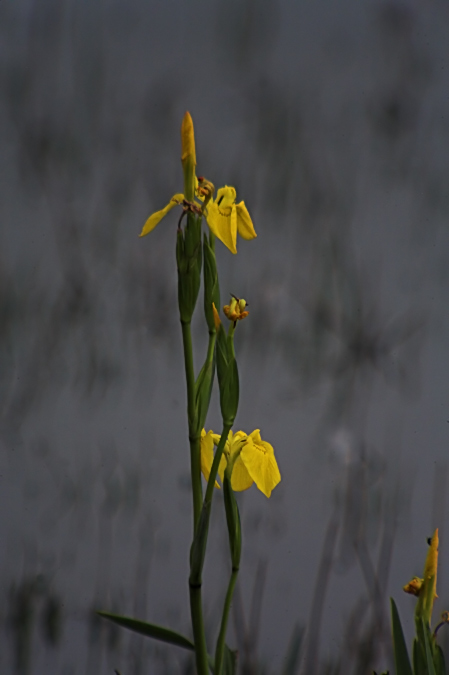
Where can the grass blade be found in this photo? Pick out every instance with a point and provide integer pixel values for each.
(150, 630)
(401, 658)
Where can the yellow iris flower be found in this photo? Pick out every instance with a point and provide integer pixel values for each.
(252, 460)
(225, 218)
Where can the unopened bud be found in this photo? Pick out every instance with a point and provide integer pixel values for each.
(414, 586)
(188, 156)
(217, 319)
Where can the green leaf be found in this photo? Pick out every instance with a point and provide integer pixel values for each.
(438, 657)
(189, 257)
(203, 391)
(233, 522)
(150, 630)
(293, 651)
(419, 658)
(401, 658)
(229, 662)
(211, 284)
(429, 659)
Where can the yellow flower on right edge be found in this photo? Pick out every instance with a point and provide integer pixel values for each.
(252, 460)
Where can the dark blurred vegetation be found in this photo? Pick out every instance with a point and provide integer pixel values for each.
(333, 125)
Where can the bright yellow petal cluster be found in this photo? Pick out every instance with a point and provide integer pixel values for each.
(252, 459)
(225, 218)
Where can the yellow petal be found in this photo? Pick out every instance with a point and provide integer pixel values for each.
(207, 456)
(236, 441)
(220, 223)
(244, 223)
(258, 457)
(226, 197)
(155, 218)
(240, 479)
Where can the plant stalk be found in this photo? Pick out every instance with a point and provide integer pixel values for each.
(194, 439)
(219, 652)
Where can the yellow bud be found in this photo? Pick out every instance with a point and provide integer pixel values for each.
(414, 586)
(187, 139)
(217, 319)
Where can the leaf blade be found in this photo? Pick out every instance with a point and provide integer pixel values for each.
(401, 657)
(149, 630)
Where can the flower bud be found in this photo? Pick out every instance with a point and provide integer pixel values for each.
(188, 156)
(235, 311)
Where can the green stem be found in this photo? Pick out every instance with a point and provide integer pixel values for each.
(219, 652)
(216, 463)
(196, 612)
(194, 439)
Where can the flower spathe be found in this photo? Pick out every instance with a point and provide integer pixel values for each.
(252, 460)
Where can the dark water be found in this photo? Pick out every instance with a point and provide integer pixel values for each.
(333, 126)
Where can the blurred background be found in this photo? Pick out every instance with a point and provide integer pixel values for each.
(332, 122)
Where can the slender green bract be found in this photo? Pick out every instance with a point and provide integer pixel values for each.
(150, 630)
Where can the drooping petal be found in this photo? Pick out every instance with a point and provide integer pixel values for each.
(220, 222)
(244, 223)
(240, 479)
(258, 458)
(207, 456)
(155, 218)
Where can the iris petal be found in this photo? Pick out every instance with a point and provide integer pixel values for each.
(219, 221)
(258, 457)
(240, 478)
(156, 218)
(226, 197)
(207, 456)
(244, 223)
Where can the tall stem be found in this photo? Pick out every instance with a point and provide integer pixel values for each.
(219, 652)
(216, 463)
(199, 638)
(194, 439)
(196, 609)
